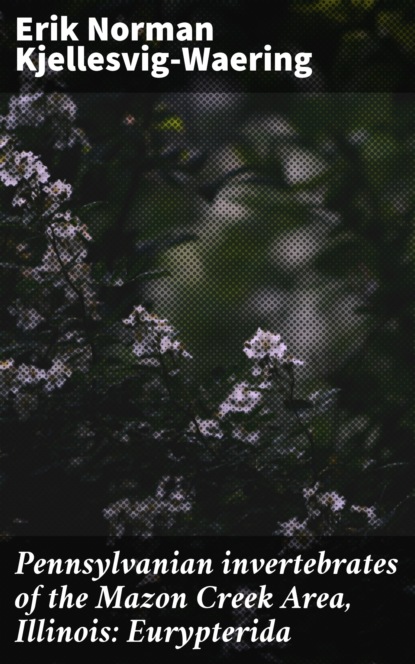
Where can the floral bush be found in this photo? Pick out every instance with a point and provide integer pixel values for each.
(99, 393)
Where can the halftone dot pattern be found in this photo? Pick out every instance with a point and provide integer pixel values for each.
(274, 212)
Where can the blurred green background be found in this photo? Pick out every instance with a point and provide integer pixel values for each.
(297, 216)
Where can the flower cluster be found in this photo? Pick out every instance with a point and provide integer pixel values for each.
(20, 167)
(266, 346)
(64, 263)
(323, 504)
(62, 279)
(326, 512)
(242, 399)
(21, 382)
(153, 337)
(36, 195)
(249, 397)
(208, 428)
(40, 201)
(267, 351)
(55, 110)
(158, 512)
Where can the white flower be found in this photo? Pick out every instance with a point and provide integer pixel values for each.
(294, 528)
(33, 167)
(68, 231)
(178, 503)
(57, 375)
(171, 496)
(49, 265)
(265, 385)
(264, 344)
(5, 141)
(36, 108)
(242, 399)
(19, 199)
(6, 365)
(56, 193)
(152, 321)
(17, 166)
(145, 346)
(369, 513)
(208, 428)
(332, 500)
(26, 317)
(153, 336)
(26, 109)
(313, 506)
(114, 513)
(328, 499)
(310, 492)
(176, 347)
(142, 516)
(7, 373)
(58, 189)
(130, 320)
(292, 360)
(62, 105)
(29, 375)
